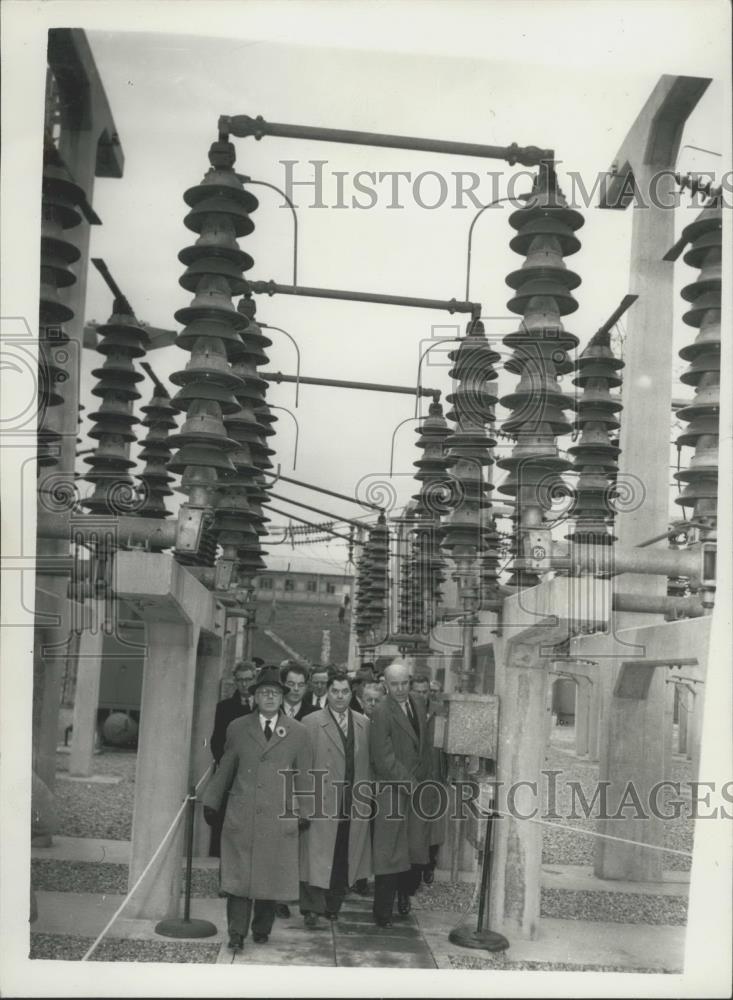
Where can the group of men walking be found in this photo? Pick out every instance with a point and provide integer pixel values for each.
(321, 783)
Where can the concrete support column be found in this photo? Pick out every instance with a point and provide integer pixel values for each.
(632, 760)
(583, 691)
(595, 714)
(163, 768)
(206, 695)
(51, 649)
(686, 701)
(695, 729)
(515, 893)
(668, 733)
(86, 698)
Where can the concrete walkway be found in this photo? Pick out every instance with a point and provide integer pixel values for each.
(419, 941)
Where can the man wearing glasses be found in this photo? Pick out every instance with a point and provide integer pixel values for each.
(295, 681)
(259, 840)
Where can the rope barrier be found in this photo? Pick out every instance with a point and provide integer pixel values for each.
(593, 833)
(145, 870)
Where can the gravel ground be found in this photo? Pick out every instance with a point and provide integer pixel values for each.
(566, 847)
(501, 961)
(614, 907)
(66, 947)
(93, 810)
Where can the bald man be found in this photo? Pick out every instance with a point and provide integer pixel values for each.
(400, 753)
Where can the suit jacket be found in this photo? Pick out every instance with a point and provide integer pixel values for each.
(311, 699)
(356, 705)
(398, 753)
(342, 761)
(259, 839)
(226, 711)
(305, 709)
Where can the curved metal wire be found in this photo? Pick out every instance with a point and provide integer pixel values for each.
(297, 432)
(268, 326)
(407, 420)
(251, 180)
(476, 217)
(418, 387)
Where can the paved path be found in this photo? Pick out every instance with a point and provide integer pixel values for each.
(351, 941)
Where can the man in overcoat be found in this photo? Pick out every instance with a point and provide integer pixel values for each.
(240, 703)
(420, 687)
(400, 756)
(336, 849)
(259, 840)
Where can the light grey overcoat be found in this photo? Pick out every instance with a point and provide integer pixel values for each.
(318, 842)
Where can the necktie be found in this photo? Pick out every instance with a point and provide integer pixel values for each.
(268, 729)
(343, 722)
(411, 715)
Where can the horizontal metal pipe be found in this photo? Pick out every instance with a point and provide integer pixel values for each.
(124, 529)
(316, 510)
(613, 561)
(322, 489)
(681, 607)
(242, 126)
(344, 295)
(407, 390)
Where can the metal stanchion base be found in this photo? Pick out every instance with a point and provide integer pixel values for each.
(485, 940)
(179, 927)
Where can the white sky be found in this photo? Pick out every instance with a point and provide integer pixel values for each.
(167, 92)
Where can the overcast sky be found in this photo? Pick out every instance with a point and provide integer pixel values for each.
(534, 82)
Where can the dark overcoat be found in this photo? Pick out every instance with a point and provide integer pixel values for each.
(401, 837)
(226, 712)
(328, 754)
(259, 839)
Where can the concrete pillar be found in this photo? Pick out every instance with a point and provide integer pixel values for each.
(668, 732)
(582, 715)
(49, 662)
(161, 780)
(594, 718)
(632, 760)
(685, 704)
(515, 892)
(86, 698)
(206, 695)
(631, 746)
(695, 730)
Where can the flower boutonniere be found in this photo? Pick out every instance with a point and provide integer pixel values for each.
(281, 731)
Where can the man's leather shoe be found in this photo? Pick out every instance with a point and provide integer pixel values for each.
(361, 887)
(403, 903)
(384, 923)
(282, 910)
(260, 938)
(236, 942)
(331, 916)
(311, 920)
(428, 876)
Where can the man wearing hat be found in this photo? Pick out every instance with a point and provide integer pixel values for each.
(240, 703)
(259, 840)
